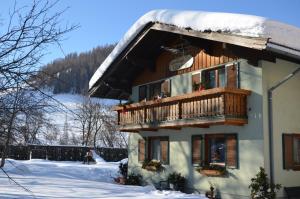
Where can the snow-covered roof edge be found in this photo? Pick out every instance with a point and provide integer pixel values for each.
(236, 24)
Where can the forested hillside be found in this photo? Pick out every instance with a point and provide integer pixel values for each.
(72, 73)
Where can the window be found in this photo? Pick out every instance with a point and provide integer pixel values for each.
(217, 149)
(154, 90)
(155, 148)
(291, 151)
(224, 76)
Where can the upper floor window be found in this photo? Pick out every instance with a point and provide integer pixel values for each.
(291, 151)
(223, 76)
(155, 90)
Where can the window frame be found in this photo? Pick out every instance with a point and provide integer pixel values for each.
(205, 149)
(217, 81)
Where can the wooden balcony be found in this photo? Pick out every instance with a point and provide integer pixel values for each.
(218, 106)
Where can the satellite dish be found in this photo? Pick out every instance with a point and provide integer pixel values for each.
(180, 63)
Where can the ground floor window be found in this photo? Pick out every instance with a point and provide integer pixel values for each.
(291, 151)
(154, 148)
(216, 149)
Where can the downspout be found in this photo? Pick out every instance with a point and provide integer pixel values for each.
(270, 118)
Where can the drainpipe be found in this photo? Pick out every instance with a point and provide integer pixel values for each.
(270, 118)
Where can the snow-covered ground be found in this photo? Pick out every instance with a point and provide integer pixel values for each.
(52, 179)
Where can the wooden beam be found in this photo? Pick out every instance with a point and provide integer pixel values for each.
(171, 128)
(198, 126)
(185, 123)
(249, 42)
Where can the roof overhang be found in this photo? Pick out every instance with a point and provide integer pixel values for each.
(142, 51)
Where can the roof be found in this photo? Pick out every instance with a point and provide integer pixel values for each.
(281, 37)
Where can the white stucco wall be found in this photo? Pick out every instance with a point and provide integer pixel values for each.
(250, 144)
(286, 115)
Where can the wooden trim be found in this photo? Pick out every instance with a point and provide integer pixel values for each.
(258, 43)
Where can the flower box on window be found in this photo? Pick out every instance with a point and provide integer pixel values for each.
(213, 170)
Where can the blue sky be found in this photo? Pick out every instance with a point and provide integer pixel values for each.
(104, 22)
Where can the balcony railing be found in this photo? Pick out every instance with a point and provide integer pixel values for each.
(223, 106)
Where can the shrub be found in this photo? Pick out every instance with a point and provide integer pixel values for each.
(134, 179)
(177, 180)
(123, 169)
(152, 165)
(261, 187)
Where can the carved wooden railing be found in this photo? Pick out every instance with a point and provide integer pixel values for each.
(202, 107)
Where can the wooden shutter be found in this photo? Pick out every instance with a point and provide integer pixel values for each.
(164, 146)
(288, 162)
(231, 76)
(195, 81)
(197, 149)
(231, 151)
(141, 150)
(166, 87)
(207, 149)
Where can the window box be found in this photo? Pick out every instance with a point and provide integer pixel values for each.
(213, 171)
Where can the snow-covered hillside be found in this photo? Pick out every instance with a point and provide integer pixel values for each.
(50, 179)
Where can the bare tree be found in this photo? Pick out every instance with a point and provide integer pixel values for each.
(51, 134)
(64, 138)
(98, 125)
(23, 43)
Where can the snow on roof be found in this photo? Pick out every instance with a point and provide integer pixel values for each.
(236, 24)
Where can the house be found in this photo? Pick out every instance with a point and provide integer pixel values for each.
(207, 91)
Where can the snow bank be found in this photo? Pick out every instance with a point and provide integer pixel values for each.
(97, 158)
(236, 24)
(124, 161)
(53, 179)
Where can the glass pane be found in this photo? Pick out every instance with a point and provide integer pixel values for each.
(155, 90)
(217, 151)
(221, 77)
(142, 93)
(156, 149)
(212, 79)
(296, 150)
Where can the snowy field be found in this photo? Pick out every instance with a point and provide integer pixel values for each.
(52, 179)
